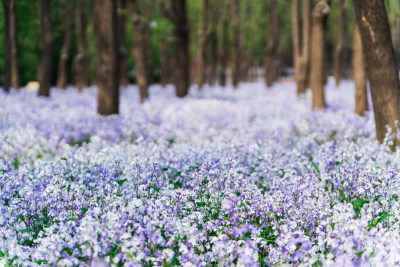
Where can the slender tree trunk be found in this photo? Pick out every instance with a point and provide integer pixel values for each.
(48, 49)
(122, 49)
(14, 45)
(202, 45)
(214, 56)
(81, 59)
(272, 46)
(141, 50)
(244, 44)
(317, 77)
(62, 77)
(301, 44)
(235, 42)
(164, 63)
(339, 54)
(380, 62)
(224, 46)
(360, 79)
(181, 32)
(7, 61)
(107, 65)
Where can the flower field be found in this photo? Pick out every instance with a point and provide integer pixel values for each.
(223, 177)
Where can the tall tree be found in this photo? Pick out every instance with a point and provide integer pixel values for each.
(141, 49)
(301, 44)
(380, 62)
(360, 78)
(224, 45)
(317, 75)
(81, 60)
(107, 65)
(271, 55)
(235, 52)
(46, 67)
(340, 47)
(164, 62)
(62, 77)
(178, 15)
(122, 42)
(14, 45)
(7, 66)
(204, 36)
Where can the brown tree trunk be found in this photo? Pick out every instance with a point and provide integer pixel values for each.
(213, 57)
(14, 45)
(301, 44)
(141, 50)
(360, 79)
(224, 46)
(181, 32)
(7, 61)
(339, 53)
(48, 49)
(271, 55)
(235, 52)
(202, 45)
(81, 60)
(164, 63)
(122, 44)
(380, 62)
(317, 75)
(62, 77)
(107, 65)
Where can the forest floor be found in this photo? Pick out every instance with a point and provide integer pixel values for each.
(249, 177)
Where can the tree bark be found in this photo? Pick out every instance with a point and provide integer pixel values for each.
(181, 32)
(141, 50)
(235, 53)
(301, 44)
(360, 79)
(122, 43)
(62, 77)
(164, 63)
(271, 55)
(81, 60)
(48, 49)
(224, 46)
(14, 45)
(380, 62)
(7, 61)
(107, 65)
(339, 53)
(317, 76)
(213, 57)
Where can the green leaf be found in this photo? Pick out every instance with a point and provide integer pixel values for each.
(64, 159)
(2, 255)
(121, 182)
(174, 261)
(155, 188)
(129, 255)
(84, 210)
(342, 195)
(384, 216)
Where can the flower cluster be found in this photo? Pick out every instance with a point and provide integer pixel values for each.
(223, 177)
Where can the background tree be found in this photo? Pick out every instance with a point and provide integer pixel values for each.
(47, 63)
(301, 43)
(271, 55)
(205, 33)
(7, 65)
(81, 60)
(107, 66)
(317, 76)
(62, 77)
(341, 43)
(122, 14)
(223, 44)
(380, 62)
(235, 52)
(360, 79)
(141, 51)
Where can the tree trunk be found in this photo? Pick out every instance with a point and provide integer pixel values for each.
(380, 62)
(317, 76)
(81, 60)
(301, 44)
(360, 79)
(181, 32)
(224, 46)
(235, 42)
(107, 65)
(213, 57)
(48, 49)
(271, 56)
(62, 64)
(141, 50)
(14, 45)
(7, 61)
(339, 53)
(164, 63)
(122, 44)
(202, 45)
